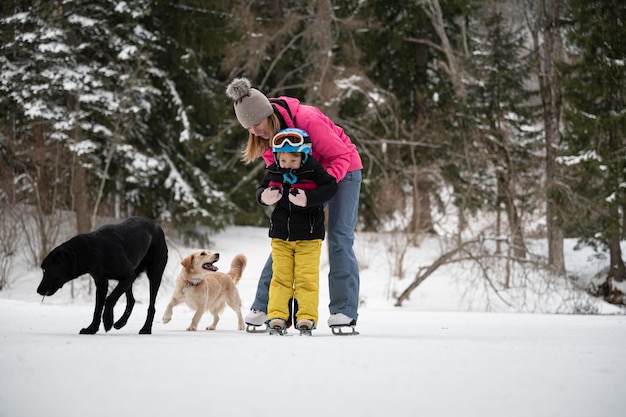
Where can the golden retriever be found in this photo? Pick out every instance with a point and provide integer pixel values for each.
(203, 288)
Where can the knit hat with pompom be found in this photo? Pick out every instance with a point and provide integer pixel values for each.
(251, 105)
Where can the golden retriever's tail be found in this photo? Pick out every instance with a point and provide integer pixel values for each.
(237, 265)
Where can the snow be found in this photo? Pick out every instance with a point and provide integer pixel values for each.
(435, 356)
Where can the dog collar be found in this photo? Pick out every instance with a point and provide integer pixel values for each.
(191, 283)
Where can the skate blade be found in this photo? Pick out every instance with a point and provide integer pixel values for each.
(277, 331)
(305, 332)
(343, 330)
(250, 328)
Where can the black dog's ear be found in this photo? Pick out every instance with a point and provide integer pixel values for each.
(69, 259)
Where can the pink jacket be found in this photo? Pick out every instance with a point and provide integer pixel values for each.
(330, 145)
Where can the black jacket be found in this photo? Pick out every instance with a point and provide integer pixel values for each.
(291, 222)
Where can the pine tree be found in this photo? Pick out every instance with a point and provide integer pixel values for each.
(405, 144)
(500, 102)
(596, 130)
(100, 120)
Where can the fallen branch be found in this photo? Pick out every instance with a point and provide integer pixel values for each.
(445, 259)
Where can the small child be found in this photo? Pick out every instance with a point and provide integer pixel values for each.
(298, 184)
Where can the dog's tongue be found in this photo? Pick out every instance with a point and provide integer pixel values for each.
(209, 267)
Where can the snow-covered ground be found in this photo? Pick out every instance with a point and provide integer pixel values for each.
(440, 354)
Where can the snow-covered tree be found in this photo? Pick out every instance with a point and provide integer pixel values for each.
(595, 140)
(500, 103)
(80, 89)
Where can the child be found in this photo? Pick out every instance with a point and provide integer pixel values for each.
(298, 185)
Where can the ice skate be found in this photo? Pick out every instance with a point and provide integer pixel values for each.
(277, 327)
(305, 327)
(255, 322)
(342, 325)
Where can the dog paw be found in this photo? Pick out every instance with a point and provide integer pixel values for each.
(119, 324)
(88, 330)
(210, 328)
(191, 329)
(167, 319)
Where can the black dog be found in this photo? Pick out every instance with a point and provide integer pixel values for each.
(118, 251)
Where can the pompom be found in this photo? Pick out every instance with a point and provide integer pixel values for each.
(238, 88)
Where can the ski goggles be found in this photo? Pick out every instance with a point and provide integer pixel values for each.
(290, 137)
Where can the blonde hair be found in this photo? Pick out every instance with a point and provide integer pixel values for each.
(256, 146)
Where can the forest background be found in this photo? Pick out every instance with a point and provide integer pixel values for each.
(514, 110)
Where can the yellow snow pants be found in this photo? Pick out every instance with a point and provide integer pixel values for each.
(295, 274)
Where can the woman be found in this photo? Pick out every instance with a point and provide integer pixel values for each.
(263, 118)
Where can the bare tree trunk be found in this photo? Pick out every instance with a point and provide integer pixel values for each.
(432, 8)
(81, 207)
(40, 158)
(506, 187)
(498, 217)
(324, 40)
(7, 176)
(425, 218)
(547, 41)
(81, 199)
(623, 221)
(519, 245)
(105, 174)
(42, 186)
(617, 270)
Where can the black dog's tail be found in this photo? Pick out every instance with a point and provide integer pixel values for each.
(156, 258)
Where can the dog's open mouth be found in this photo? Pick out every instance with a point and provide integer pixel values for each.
(209, 266)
